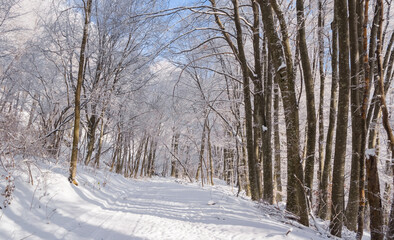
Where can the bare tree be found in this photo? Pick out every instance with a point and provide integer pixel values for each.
(296, 199)
(310, 98)
(87, 6)
(337, 209)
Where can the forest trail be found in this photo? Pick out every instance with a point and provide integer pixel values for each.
(109, 206)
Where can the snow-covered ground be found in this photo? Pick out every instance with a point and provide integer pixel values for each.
(108, 206)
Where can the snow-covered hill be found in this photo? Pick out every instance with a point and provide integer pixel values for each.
(108, 206)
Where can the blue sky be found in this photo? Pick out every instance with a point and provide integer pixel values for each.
(177, 3)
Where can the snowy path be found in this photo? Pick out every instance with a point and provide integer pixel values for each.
(135, 209)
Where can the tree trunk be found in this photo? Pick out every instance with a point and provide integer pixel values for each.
(138, 157)
(320, 32)
(374, 200)
(296, 199)
(150, 156)
(245, 168)
(226, 165)
(252, 161)
(100, 144)
(74, 153)
(259, 113)
(310, 99)
(374, 196)
(353, 199)
(210, 156)
(175, 144)
(151, 169)
(324, 206)
(119, 158)
(143, 164)
(254, 169)
(32, 111)
(342, 122)
(367, 76)
(267, 132)
(390, 231)
(92, 126)
(277, 167)
(202, 149)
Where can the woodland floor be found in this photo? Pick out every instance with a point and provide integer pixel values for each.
(108, 206)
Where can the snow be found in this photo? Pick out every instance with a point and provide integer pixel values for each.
(283, 65)
(108, 206)
(370, 152)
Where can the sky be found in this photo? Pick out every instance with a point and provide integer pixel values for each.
(177, 3)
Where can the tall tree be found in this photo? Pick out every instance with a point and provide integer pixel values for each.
(277, 166)
(310, 99)
(352, 204)
(360, 222)
(283, 63)
(262, 109)
(324, 206)
(87, 7)
(374, 196)
(337, 209)
(239, 53)
(254, 168)
(320, 32)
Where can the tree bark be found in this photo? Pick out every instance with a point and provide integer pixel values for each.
(202, 149)
(74, 153)
(210, 156)
(267, 132)
(374, 196)
(342, 122)
(91, 134)
(175, 144)
(353, 199)
(310, 99)
(239, 53)
(32, 111)
(390, 231)
(296, 199)
(324, 205)
(253, 163)
(363, 127)
(100, 144)
(144, 158)
(320, 33)
(277, 167)
(260, 118)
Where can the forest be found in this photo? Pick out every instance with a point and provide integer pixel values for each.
(287, 101)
